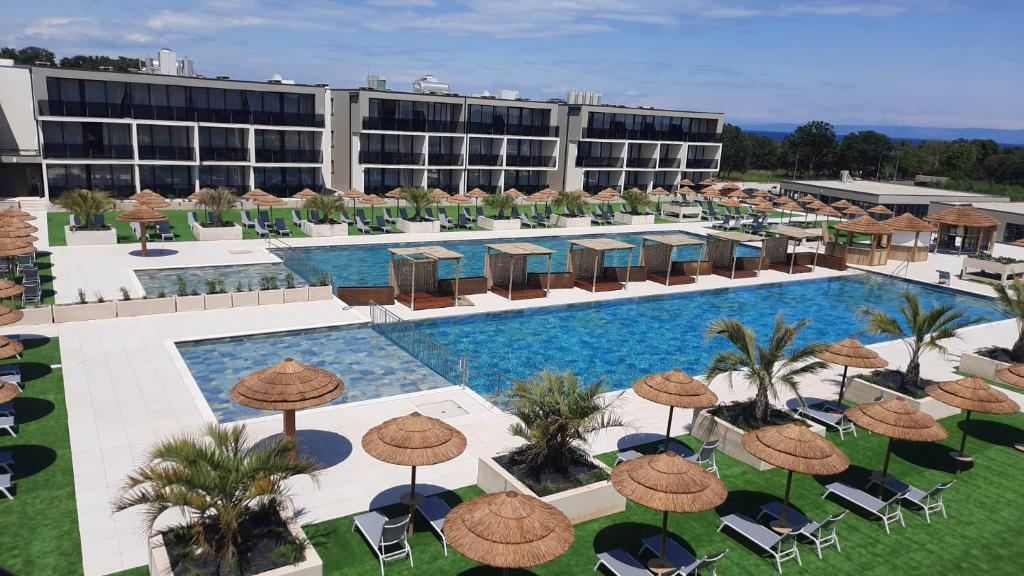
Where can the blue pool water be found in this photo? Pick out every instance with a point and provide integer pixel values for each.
(245, 277)
(368, 265)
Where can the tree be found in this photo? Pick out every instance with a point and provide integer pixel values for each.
(863, 152)
(1009, 301)
(82, 62)
(735, 150)
(636, 199)
(499, 203)
(324, 206)
(418, 198)
(924, 330)
(769, 368)
(29, 55)
(86, 205)
(568, 201)
(960, 159)
(764, 152)
(217, 201)
(814, 145)
(556, 415)
(219, 483)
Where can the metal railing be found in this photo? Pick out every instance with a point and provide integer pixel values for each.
(430, 352)
(299, 264)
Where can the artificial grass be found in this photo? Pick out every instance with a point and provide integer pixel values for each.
(40, 525)
(45, 266)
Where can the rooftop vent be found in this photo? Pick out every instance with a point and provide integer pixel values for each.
(223, 77)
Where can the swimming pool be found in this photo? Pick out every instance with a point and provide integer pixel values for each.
(244, 276)
(367, 265)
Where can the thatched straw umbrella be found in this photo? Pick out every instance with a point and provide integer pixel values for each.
(396, 194)
(880, 210)
(439, 195)
(970, 394)
(807, 199)
(476, 194)
(855, 211)
(828, 212)
(674, 389)
(762, 193)
(897, 420)
(841, 204)
(514, 193)
(706, 182)
(150, 199)
(269, 201)
(685, 190)
(17, 226)
(8, 391)
(9, 348)
(9, 288)
(1014, 376)
(253, 194)
(304, 194)
(794, 448)
(9, 315)
(12, 213)
(737, 194)
(669, 483)
(508, 530)
(730, 203)
(413, 440)
(352, 194)
(685, 182)
(143, 215)
(850, 353)
(729, 186)
(371, 201)
(711, 193)
(198, 195)
(287, 386)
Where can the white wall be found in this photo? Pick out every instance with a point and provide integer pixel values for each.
(17, 116)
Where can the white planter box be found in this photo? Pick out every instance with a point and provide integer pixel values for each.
(271, 296)
(36, 316)
(680, 212)
(319, 230)
(978, 365)
(579, 504)
(415, 227)
(1006, 272)
(233, 232)
(89, 237)
(217, 301)
(296, 294)
(708, 427)
(622, 218)
(311, 564)
(191, 303)
(861, 391)
(80, 312)
(243, 299)
(320, 293)
(566, 222)
(493, 224)
(145, 307)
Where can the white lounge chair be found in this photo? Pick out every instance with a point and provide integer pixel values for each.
(888, 511)
(362, 227)
(621, 563)
(296, 219)
(7, 462)
(678, 556)
(434, 510)
(781, 546)
(388, 217)
(445, 223)
(7, 423)
(261, 230)
(821, 535)
(387, 536)
(928, 502)
(836, 421)
(626, 456)
(705, 457)
(6, 483)
(525, 220)
(246, 220)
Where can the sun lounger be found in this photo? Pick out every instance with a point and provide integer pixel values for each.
(621, 563)
(626, 456)
(445, 223)
(837, 422)
(136, 229)
(464, 222)
(164, 230)
(386, 536)
(6, 483)
(434, 510)
(515, 212)
(680, 557)
(296, 219)
(821, 535)
(280, 227)
(99, 221)
(404, 214)
(479, 211)
(75, 220)
(469, 216)
(428, 214)
(11, 373)
(343, 218)
(705, 457)
(781, 546)
(7, 423)
(29, 276)
(261, 230)
(888, 511)
(540, 220)
(7, 462)
(263, 217)
(928, 502)
(314, 215)
(388, 217)
(362, 227)
(525, 220)
(382, 225)
(32, 294)
(25, 261)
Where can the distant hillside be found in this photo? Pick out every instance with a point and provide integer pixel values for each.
(912, 133)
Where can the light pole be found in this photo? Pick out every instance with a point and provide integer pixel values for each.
(897, 170)
(796, 161)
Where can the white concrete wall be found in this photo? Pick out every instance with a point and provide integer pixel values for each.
(17, 116)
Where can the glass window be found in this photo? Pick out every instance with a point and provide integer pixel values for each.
(291, 103)
(177, 96)
(255, 100)
(271, 102)
(200, 98)
(95, 92)
(216, 98)
(158, 95)
(140, 94)
(69, 90)
(233, 99)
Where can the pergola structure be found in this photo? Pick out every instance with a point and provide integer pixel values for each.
(414, 269)
(798, 236)
(907, 242)
(874, 253)
(586, 259)
(736, 238)
(506, 264)
(964, 230)
(657, 253)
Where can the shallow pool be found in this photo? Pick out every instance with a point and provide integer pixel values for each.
(234, 277)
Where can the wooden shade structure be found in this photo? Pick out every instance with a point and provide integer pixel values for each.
(850, 353)
(9, 348)
(304, 194)
(508, 530)
(150, 199)
(413, 440)
(855, 211)
(737, 238)
(8, 391)
(964, 229)
(9, 315)
(352, 194)
(586, 258)
(971, 394)
(657, 252)
(841, 204)
(807, 199)
(895, 419)
(881, 210)
(902, 227)
(514, 193)
(737, 194)
(405, 264)
(877, 251)
(506, 263)
(794, 448)
(685, 182)
(674, 389)
(798, 236)
(143, 215)
(668, 483)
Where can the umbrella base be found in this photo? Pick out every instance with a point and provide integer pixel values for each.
(658, 567)
(411, 499)
(961, 457)
(779, 526)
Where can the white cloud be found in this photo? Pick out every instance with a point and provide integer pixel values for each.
(78, 30)
(169, 21)
(844, 9)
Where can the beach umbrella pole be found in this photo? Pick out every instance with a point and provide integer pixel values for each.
(142, 239)
(668, 429)
(780, 524)
(842, 386)
(412, 498)
(885, 468)
(659, 565)
(289, 429)
(961, 455)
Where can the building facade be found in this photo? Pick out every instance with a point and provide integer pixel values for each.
(899, 198)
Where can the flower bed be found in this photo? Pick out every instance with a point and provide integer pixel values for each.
(860, 391)
(707, 426)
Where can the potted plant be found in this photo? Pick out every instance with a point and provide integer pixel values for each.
(418, 199)
(270, 292)
(244, 296)
(217, 202)
(325, 207)
(570, 203)
(556, 414)
(500, 203)
(126, 306)
(636, 200)
(920, 330)
(233, 499)
(985, 362)
(320, 288)
(770, 368)
(216, 296)
(87, 206)
(84, 310)
(293, 293)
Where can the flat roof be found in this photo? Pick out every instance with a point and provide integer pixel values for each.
(436, 252)
(602, 244)
(520, 249)
(673, 239)
(1005, 207)
(795, 232)
(735, 236)
(883, 192)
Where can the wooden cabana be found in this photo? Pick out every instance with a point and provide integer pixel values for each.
(413, 275)
(724, 254)
(657, 253)
(911, 238)
(964, 229)
(586, 262)
(792, 263)
(875, 252)
(505, 266)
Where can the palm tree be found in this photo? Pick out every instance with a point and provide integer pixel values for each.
(925, 330)
(86, 204)
(499, 203)
(220, 484)
(418, 198)
(325, 206)
(569, 201)
(769, 368)
(217, 201)
(1009, 301)
(556, 414)
(636, 199)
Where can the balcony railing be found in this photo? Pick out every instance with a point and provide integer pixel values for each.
(595, 188)
(713, 137)
(599, 162)
(178, 113)
(649, 134)
(668, 163)
(489, 188)
(435, 159)
(695, 164)
(286, 190)
(211, 154)
(413, 125)
(115, 190)
(53, 150)
(484, 160)
(166, 153)
(502, 129)
(530, 161)
(525, 188)
(289, 156)
(390, 158)
(640, 162)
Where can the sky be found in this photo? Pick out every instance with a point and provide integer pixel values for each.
(936, 63)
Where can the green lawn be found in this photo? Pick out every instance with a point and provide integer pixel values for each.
(40, 526)
(45, 266)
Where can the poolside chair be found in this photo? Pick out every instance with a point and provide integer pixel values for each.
(928, 502)
(75, 220)
(469, 216)
(464, 221)
(888, 511)
(7, 462)
(833, 420)
(136, 229)
(280, 229)
(31, 294)
(6, 483)
(23, 261)
(388, 537)
(361, 226)
(428, 214)
(343, 218)
(164, 230)
(434, 510)
(445, 223)
(597, 218)
(99, 221)
(781, 546)
(296, 219)
(626, 456)
(821, 535)
(525, 221)
(263, 217)
(190, 219)
(388, 217)
(314, 215)
(11, 373)
(479, 211)
(382, 225)
(30, 276)
(676, 555)
(515, 212)
(7, 423)
(404, 214)
(261, 230)
(540, 219)
(705, 457)
(621, 563)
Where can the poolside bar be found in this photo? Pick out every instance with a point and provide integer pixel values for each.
(911, 238)
(500, 268)
(873, 253)
(402, 272)
(798, 236)
(586, 258)
(734, 239)
(656, 249)
(964, 230)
